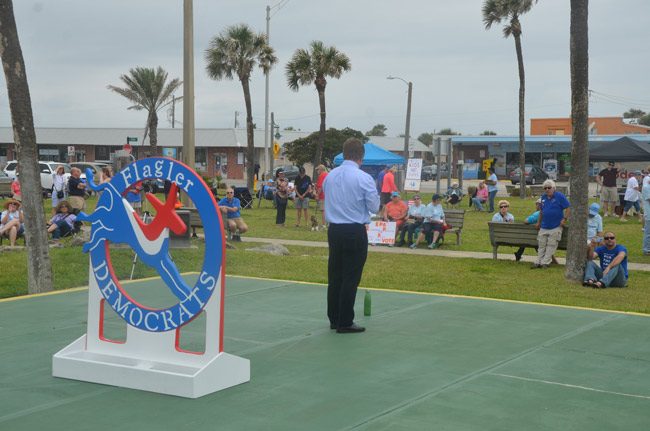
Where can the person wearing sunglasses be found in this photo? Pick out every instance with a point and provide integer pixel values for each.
(503, 216)
(230, 206)
(612, 271)
(415, 219)
(553, 215)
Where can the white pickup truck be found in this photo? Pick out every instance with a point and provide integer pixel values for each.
(47, 169)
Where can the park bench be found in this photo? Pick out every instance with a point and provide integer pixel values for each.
(455, 218)
(517, 235)
(538, 190)
(195, 220)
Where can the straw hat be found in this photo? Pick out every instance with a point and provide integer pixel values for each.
(11, 201)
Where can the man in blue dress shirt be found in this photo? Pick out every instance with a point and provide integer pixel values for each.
(350, 197)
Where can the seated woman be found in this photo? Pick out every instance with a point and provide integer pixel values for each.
(434, 222)
(503, 216)
(481, 196)
(12, 221)
(63, 221)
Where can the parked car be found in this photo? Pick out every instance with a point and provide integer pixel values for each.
(290, 172)
(533, 175)
(429, 172)
(47, 168)
(5, 185)
(95, 167)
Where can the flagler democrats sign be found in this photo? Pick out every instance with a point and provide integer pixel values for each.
(115, 221)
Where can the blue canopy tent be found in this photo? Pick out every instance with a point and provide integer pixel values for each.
(375, 159)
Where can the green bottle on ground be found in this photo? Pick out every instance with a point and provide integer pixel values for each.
(367, 304)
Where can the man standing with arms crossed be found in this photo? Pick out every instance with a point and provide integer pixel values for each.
(350, 197)
(608, 191)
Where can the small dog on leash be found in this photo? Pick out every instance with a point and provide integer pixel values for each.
(315, 227)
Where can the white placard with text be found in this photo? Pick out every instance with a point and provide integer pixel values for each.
(381, 232)
(413, 174)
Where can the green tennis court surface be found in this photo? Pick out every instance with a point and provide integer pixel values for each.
(426, 362)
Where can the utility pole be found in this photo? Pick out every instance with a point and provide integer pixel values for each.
(188, 90)
(438, 151)
(236, 119)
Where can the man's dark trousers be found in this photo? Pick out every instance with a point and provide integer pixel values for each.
(348, 244)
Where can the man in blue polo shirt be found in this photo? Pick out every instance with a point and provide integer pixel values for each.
(230, 206)
(553, 215)
(493, 187)
(612, 271)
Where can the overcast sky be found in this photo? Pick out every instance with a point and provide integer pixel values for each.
(464, 77)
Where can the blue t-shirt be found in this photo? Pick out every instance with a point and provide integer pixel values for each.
(233, 203)
(606, 256)
(553, 210)
(533, 218)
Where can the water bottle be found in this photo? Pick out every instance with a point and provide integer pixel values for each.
(367, 304)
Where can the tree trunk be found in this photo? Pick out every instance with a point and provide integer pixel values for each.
(250, 148)
(522, 131)
(579, 181)
(39, 267)
(153, 134)
(321, 133)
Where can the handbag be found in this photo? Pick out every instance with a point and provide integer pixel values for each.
(60, 194)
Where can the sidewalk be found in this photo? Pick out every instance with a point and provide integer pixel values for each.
(427, 252)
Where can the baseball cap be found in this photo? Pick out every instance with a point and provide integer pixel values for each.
(538, 201)
(594, 209)
(392, 195)
(435, 197)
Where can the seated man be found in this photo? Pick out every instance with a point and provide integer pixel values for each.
(612, 271)
(397, 211)
(415, 218)
(231, 207)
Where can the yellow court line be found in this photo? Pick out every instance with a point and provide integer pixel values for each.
(411, 292)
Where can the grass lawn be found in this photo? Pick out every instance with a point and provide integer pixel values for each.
(472, 277)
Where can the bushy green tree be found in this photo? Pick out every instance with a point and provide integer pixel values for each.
(426, 139)
(302, 150)
(377, 130)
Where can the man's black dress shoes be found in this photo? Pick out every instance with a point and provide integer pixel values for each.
(350, 329)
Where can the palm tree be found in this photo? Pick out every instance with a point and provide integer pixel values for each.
(149, 90)
(575, 262)
(235, 52)
(495, 11)
(39, 266)
(314, 66)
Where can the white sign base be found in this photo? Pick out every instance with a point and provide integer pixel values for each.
(150, 361)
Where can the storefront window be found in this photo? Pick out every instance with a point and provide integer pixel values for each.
(200, 160)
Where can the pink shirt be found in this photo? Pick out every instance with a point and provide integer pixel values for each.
(482, 194)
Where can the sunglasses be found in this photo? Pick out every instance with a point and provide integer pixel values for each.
(230, 193)
(504, 206)
(610, 237)
(416, 199)
(548, 188)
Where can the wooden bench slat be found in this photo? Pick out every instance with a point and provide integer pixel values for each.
(517, 235)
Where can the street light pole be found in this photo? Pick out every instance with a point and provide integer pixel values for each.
(407, 130)
(188, 90)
